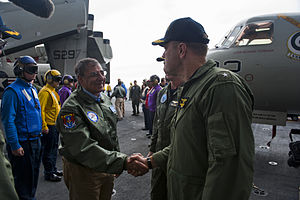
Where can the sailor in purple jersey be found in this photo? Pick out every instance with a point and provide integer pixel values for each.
(154, 79)
(66, 90)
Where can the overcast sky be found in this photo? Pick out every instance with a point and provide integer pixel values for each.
(131, 26)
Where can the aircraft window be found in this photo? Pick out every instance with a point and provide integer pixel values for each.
(256, 34)
(229, 38)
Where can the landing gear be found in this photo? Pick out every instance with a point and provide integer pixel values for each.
(293, 117)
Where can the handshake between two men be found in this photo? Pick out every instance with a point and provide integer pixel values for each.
(138, 165)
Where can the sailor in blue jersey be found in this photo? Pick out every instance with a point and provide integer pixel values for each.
(21, 118)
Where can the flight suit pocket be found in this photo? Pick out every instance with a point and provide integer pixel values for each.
(185, 187)
(220, 141)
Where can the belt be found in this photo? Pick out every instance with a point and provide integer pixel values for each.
(35, 136)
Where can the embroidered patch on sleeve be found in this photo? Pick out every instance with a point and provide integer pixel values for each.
(92, 116)
(69, 120)
(163, 98)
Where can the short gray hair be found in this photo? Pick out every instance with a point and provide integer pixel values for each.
(84, 63)
(198, 48)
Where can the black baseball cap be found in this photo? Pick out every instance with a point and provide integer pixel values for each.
(184, 30)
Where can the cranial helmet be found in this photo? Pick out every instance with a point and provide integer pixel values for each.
(67, 79)
(25, 64)
(52, 75)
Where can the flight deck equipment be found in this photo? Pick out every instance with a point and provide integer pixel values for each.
(294, 153)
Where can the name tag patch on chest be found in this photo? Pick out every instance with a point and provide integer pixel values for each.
(69, 120)
(112, 108)
(92, 116)
(163, 98)
(174, 103)
(183, 101)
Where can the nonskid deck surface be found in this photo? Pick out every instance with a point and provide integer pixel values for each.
(273, 178)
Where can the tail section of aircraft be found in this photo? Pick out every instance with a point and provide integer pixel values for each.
(67, 18)
(58, 40)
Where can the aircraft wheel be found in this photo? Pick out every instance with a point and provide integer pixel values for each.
(295, 117)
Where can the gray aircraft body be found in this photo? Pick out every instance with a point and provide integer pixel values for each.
(58, 41)
(265, 51)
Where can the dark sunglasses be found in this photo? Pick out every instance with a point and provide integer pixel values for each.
(31, 69)
(57, 79)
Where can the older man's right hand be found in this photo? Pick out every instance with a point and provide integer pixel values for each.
(137, 165)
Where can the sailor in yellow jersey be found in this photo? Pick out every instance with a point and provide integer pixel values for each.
(50, 107)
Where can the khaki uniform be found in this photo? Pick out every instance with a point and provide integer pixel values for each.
(212, 146)
(89, 145)
(7, 189)
(120, 94)
(166, 105)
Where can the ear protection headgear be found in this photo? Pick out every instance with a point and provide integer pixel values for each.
(52, 75)
(21, 63)
(67, 79)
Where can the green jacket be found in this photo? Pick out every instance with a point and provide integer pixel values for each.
(7, 188)
(166, 104)
(88, 133)
(212, 146)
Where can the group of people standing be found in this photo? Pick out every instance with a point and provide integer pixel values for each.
(29, 118)
(202, 145)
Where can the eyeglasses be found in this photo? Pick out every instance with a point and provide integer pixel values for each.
(98, 73)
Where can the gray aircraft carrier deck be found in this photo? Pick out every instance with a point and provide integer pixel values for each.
(278, 182)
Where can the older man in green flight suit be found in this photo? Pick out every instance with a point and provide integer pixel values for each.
(212, 146)
(89, 142)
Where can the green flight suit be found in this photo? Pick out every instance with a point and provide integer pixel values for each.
(88, 133)
(7, 188)
(166, 105)
(212, 146)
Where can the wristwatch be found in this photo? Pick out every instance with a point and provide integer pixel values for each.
(149, 163)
